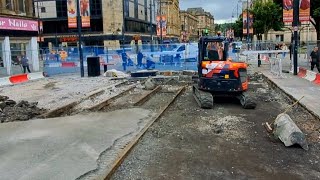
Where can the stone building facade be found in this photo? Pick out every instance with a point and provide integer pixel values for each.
(206, 20)
(112, 22)
(189, 27)
(170, 8)
(18, 35)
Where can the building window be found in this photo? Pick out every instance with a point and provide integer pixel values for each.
(21, 6)
(9, 4)
(279, 38)
(43, 9)
(61, 9)
(95, 7)
(134, 26)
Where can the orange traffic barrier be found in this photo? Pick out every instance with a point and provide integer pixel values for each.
(20, 78)
(317, 80)
(302, 72)
(68, 64)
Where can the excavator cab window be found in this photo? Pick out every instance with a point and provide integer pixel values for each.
(214, 51)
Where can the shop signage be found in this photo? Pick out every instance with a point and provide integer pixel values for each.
(68, 39)
(18, 24)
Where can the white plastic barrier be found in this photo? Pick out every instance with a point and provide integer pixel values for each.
(56, 64)
(37, 75)
(310, 76)
(5, 81)
(276, 67)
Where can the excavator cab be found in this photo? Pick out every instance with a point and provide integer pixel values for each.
(218, 75)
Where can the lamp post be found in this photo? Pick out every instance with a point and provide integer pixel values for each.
(248, 23)
(39, 30)
(160, 8)
(151, 28)
(123, 23)
(295, 35)
(79, 25)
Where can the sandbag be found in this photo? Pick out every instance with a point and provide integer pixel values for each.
(115, 73)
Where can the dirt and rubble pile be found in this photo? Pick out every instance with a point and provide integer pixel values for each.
(10, 110)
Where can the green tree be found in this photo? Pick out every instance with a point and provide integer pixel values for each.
(315, 9)
(267, 15)
(238, 27)
(217, 27)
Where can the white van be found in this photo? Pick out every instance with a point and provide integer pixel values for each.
(187, 52)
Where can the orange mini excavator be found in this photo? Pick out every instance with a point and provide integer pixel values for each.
(218, 75)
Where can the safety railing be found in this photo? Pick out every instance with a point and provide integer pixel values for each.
(276, 67)
(183, 56)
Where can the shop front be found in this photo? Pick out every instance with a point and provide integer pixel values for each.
(18, 37)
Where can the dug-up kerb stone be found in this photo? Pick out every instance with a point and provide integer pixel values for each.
(288, 132)
(188, 72)
(150, 84)
(185, 78)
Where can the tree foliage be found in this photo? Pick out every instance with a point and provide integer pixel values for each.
(238, 27)
(267, 16)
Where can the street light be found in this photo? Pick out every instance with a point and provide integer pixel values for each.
(123, 23)
(160, 9)
(295, 37)
(79, 25)
(248, 22)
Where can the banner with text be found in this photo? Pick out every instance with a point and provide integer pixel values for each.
(72, 13)
(246, 22)
(84, 13)
(161, 23)
(18, 24)
(287, 11)
(304, 10)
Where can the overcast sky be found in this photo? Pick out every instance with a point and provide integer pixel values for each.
(222, 10)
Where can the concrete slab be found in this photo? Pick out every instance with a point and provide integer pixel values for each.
(298, 87)
(66, 147)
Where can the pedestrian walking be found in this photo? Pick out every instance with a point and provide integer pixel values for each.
(139, 59)
(124, 60)
(284, 48)
(25, 63)
(315, 58)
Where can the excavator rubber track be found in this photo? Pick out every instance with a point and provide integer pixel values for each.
(203, 98)
(246, 101)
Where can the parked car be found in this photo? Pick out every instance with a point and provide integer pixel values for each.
(236, 46)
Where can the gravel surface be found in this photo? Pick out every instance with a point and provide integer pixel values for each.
(226, 142)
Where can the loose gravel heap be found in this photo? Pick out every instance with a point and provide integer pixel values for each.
(10, 110)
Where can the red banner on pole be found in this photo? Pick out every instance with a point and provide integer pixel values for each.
(163, 21)
(304, 10)
(84, 13)
(245, 23)
(287, 11)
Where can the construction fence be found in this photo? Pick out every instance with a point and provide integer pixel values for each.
(183, 56)
(180, 56)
